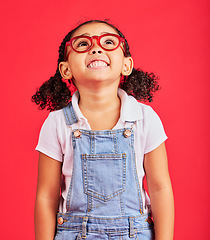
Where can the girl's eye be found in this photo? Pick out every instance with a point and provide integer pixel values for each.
(109, 41)
(82, 44)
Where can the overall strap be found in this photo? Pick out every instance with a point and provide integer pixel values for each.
(70, 115)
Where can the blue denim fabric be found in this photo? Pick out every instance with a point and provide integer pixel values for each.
(104, 199)
(139, 227)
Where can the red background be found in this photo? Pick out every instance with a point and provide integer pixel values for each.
(169, 38)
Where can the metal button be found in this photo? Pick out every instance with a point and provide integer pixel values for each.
(60, 220)
(77, 134)
(127, 133)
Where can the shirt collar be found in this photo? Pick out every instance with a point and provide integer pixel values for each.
(130, 108)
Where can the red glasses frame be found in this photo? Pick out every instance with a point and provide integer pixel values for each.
(98, 38)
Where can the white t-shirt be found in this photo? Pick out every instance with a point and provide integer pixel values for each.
(55, 138)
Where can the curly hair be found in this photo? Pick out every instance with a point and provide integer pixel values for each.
(55, 94)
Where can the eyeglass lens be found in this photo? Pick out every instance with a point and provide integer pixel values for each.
(82, 44)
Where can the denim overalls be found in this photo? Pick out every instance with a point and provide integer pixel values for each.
(104, 198)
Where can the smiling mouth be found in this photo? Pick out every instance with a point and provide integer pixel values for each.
(97, 64)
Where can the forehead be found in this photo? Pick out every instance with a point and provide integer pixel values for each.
(94, 28)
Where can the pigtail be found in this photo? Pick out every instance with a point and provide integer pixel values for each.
(53, 94)
(141, 85)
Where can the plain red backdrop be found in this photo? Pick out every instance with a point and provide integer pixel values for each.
(169, 38)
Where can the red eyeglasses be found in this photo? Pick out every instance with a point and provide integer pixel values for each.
(108, 42)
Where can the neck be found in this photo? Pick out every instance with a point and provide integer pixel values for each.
(99, 99)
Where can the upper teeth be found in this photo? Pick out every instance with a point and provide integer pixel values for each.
(97, 64)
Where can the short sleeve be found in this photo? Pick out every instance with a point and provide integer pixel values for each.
(48, 142)
(155, 133)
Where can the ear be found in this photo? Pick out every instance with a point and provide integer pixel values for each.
(65, 70)
(127, 66)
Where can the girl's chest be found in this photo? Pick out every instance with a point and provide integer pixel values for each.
(104, 121)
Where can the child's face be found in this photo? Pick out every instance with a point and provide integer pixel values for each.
(97, 65)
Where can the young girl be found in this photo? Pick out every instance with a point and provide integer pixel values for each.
(96, 149)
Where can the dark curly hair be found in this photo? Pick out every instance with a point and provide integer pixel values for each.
(55, 94)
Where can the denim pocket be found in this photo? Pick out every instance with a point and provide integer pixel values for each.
(58, 236)
(104, 175)
(147, 234)
(66, 235)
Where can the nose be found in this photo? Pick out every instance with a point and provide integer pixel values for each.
(96, 49)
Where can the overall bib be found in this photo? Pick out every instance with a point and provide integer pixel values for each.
(104, 198)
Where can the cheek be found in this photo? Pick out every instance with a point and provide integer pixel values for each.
(76, 64)
(118, 63)
(118, 57)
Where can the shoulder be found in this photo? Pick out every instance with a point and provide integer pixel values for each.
(52, 136)
(132, 110)
(55, 122)
(56, 116)
(142, 113)
(149, 116)
(147, 110)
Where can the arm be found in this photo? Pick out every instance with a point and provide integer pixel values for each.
(160, 191)
(47, 197)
